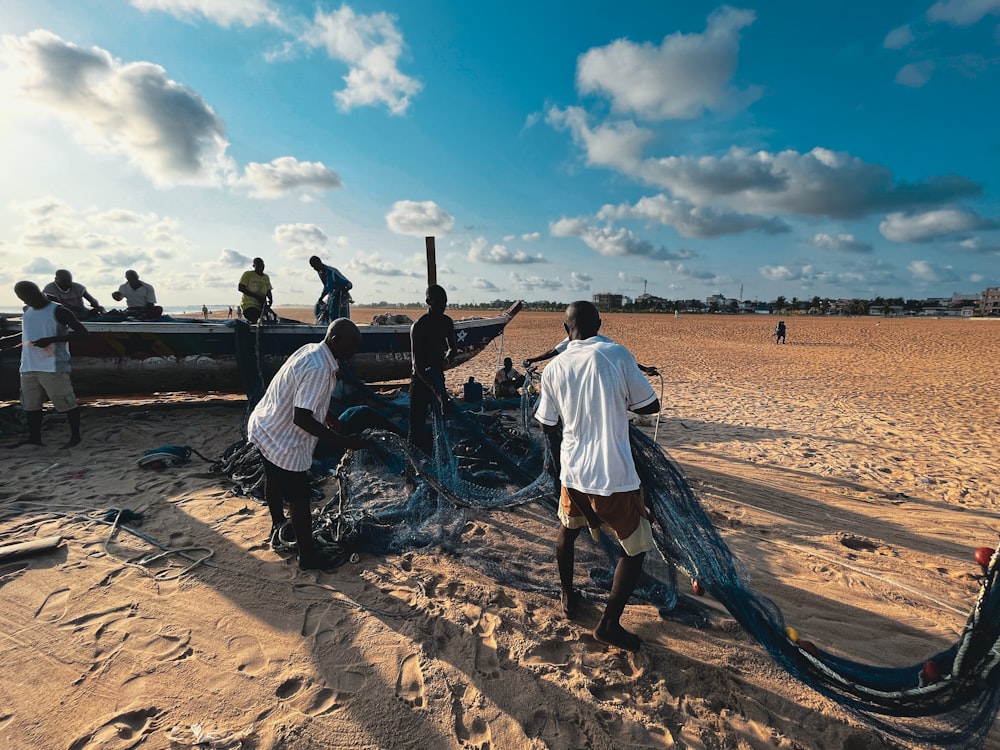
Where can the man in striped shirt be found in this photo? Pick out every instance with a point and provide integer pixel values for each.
(286, 425)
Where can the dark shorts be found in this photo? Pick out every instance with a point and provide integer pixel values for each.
(293, 485)
(622, 514)
(252, 314)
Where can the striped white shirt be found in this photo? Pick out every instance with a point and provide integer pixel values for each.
(305, 381)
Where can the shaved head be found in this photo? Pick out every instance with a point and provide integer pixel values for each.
(343, 338)
(582, 320)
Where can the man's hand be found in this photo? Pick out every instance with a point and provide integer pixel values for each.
(650, 370)
(356, 442)
(117, 296)
(42, 342)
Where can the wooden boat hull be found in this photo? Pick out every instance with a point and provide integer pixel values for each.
(157, 356)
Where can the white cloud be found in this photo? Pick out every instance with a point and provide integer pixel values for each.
(930, 225)
(616, 144)
(681, 78)
(963, 12)
(820, 182)
(898, 38)
(531, 236)
(371, 46)
(164, 128)
(533, 283)
(285, 174)
(233, 258)
(611, 241)
(480, 283)
(38, 265)
(419, 219)
(126, 217)
(840, 243)
(915, 74)
(222, 12)
(924, 271)
(691, 220)
(301, 240)
(482, 252)
(374, 265)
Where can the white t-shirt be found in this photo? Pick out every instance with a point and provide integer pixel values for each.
(39, 324)
(144, 295)
(305, 381)
(591, 386)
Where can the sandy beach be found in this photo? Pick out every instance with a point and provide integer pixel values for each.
(853, 471)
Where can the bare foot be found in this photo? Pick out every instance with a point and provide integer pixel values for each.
(617, 636)
(570, 604)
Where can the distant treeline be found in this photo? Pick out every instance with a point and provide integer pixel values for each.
(814, 306)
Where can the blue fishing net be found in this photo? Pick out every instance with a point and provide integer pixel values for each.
(393, 498)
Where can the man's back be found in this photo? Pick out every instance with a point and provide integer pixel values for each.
(429, 340)
(591, 387)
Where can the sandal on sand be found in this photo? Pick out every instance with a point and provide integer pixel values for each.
(619, 638)
(571, 604)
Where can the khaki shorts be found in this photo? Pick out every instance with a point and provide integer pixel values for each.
(622, 514)
(56, 385)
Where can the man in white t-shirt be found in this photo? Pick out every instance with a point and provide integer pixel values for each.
(590, 387)
(286, 425)
(46, 330)
(139, 296)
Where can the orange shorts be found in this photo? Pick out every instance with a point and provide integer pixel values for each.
(622, 514)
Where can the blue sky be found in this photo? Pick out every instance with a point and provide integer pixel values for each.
(554, 149)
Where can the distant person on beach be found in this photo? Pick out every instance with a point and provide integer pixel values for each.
(590, 388)
(432, 345)
(779, 332)
(204, 312)
(335, 299)
(230, 316)
(256, 288)
(507, 380)
(140, 297)
(286, 425)
(46, 330)
(71, 295)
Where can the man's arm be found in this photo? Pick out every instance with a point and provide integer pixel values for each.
(540, 358)
(651, 408)
(304, 419)
(649, 369)
(68, 319)
(249, 293)
(93, 302)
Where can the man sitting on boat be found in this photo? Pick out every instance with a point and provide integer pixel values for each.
(71, 295)
(335, 300)
(139, 297)
(256, 288)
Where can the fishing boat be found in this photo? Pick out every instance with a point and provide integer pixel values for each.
(131, 356)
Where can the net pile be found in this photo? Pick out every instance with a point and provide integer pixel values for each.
(392, 498)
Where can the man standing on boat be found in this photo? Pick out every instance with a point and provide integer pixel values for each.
(46, 329)
(256, 288)
(334, 301)
(71, 295)
(590, 387)
(139, 297)
(432, 345)
(286, 425)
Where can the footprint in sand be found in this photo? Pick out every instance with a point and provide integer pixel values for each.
(471, 731)
(487, 659)
(248, 654)
(554, 653)
(54, 607)
(410, 683)
(121, 732)
(307, 697)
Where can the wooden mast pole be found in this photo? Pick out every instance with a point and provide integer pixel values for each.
(431, 261)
